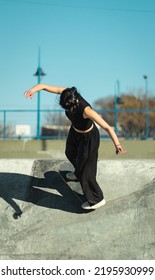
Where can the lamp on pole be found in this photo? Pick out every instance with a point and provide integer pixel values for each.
(146, 107)
(38, 73)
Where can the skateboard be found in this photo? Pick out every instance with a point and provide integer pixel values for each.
(73, 185)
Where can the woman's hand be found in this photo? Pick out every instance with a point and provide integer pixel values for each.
(120, 149)
(29, 94)
(53, 89)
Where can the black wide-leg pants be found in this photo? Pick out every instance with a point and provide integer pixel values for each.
(82, 152)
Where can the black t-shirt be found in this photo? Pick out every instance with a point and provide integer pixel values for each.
(76, 117)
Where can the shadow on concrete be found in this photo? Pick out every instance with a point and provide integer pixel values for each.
(50, 191)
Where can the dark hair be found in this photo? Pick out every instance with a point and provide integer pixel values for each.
(68, 98)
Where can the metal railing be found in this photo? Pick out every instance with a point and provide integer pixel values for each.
(10, 118)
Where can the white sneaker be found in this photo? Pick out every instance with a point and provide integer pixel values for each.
(87, 206)
(71, 176)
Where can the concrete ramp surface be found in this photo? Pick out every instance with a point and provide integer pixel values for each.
(41, 216)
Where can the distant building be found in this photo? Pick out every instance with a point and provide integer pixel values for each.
(55, 130)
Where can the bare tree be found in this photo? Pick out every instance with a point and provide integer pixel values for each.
(8, 130)
(131, 112)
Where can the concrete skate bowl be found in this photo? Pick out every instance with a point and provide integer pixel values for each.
(41, 217)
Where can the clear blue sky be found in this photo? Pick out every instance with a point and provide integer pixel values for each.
(86, 43)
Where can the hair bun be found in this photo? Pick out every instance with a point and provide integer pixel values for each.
(73, 90)
(68, 98)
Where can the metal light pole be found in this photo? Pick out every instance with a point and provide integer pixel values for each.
(116, 94)
(146, 107)
(38, 73)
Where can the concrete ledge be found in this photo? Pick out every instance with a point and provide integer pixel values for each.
(53, 225)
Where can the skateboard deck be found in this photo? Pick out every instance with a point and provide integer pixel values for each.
(74, 185)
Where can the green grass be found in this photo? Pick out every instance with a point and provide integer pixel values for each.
(136, 149)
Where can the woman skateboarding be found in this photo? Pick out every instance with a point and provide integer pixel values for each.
(83, 139)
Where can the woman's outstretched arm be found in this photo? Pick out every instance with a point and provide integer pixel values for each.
(93, 115)
(54, 89)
